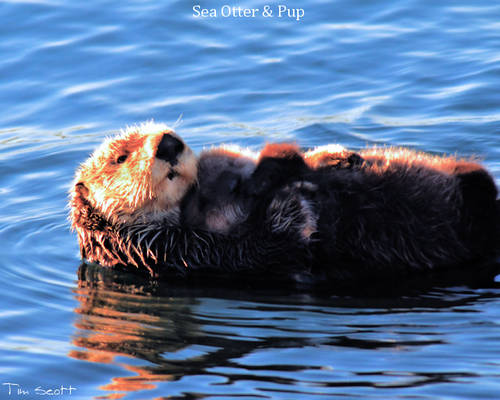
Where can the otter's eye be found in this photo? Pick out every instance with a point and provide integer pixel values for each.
(121, 159)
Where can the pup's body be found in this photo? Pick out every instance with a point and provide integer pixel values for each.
(234, 183)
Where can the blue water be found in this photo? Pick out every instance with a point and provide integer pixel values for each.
(422, 74)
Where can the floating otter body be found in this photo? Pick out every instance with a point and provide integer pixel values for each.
(313, 217)
(370, 213)
(125, 207)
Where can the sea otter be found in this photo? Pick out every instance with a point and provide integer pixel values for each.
(125, 207)
(390, 212)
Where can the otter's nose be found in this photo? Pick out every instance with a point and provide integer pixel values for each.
(169, 149)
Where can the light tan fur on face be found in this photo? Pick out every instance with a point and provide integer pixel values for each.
(138, 187)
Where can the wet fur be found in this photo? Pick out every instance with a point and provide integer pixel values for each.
(164, 249)
(397, 212)
(119, 225)
(383, 211)
(380, 214)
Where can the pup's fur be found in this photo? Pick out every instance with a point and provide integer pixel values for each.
(234, 183)
(216, 203)
(382, 210)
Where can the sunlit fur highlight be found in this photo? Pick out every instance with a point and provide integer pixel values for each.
(135, 191)
(322, 156)
(381, 159)
(138, 188)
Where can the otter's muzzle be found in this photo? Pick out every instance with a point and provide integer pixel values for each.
(169, 149)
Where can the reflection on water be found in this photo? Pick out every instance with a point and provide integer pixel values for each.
(165, 339)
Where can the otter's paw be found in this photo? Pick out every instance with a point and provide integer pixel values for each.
(292, 211)
(345, 160)
(333, 156)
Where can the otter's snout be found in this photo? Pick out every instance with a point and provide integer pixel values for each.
(169, 149)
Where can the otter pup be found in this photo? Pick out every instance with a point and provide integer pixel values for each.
(234, 183)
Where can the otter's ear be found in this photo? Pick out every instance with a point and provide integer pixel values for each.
(81, 190)
(80, 206)
(79, 203)
(82, 212)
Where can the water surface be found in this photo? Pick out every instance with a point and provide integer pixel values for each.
(420, 74)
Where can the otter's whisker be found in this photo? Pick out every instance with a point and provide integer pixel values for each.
(153, 239)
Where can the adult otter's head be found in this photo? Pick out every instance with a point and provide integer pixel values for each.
(138, 176)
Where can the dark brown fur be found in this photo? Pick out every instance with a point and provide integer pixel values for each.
(166, 250)
(390, 213)
(398, 213)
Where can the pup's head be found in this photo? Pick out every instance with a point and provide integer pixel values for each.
(278, 164)
(141, 174)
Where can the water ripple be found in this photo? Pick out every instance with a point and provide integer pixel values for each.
(418, 74)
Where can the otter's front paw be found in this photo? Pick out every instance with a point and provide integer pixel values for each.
(292, 211)
(333, 156)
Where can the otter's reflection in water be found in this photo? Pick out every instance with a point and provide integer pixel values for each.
(120, 315)
(194, 343)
